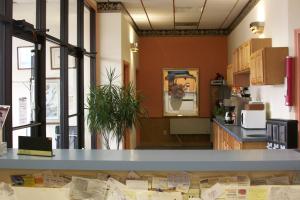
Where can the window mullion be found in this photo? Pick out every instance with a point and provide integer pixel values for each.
(64, 119)
(80, 74)
(5, 68)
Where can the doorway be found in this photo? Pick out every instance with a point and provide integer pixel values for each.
(126, 81)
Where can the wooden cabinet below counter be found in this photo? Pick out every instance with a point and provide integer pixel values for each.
(222, 140)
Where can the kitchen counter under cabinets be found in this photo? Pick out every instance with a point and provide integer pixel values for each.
(232, 137)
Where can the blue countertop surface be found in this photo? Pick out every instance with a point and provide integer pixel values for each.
(157, 160)
(243, 135)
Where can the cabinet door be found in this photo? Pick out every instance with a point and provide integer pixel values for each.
(215, 135)
(235, 61)
(241, 58)
(237, 145)
(229, 75)
(253, 69)
(259, 68)
(247, 55)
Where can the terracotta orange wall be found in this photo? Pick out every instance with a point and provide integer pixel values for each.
(208, 53)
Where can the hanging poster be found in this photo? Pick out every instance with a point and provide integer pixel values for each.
(180, 92)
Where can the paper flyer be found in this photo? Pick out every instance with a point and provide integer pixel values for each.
(160, 183)
(257, 193)
(179, 182)
(3, 114)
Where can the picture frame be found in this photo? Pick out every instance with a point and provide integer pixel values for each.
(55, 59)
(24, 58)
(180, 88)
(52, 100)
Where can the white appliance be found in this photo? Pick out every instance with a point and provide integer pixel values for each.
(253, 119)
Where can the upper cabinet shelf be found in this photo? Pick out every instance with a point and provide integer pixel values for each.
(267, 66)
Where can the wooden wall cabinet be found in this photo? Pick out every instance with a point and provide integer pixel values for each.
(235, 61)
(230, 75)
(242, 55)
(267, 66)
(225, 141)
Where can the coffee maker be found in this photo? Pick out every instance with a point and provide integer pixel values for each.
(230, 116)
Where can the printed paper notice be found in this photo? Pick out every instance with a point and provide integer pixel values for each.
(284, 193)
(257, 193)
(214, 192)
(180, 182)
(137, 184)
(160, 183)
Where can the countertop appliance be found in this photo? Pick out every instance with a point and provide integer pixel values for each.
(229, 115)
(282, 134)
(253, 119)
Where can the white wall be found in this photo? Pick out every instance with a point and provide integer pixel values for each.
(116, 34)
(110, 45)
(281, 18)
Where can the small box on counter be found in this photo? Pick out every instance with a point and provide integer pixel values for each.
(254, 106)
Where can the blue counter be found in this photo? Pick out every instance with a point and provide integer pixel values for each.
(241, 134)
(158, 160)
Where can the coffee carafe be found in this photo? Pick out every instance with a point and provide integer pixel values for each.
(229, 115)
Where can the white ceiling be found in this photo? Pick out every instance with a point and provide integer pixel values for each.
(217, 14)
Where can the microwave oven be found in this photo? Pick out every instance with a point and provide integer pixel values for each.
(253, 119)
(282, 134)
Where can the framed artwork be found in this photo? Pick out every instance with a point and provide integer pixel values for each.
(55, 59)
(52, 100)
(180, 91)
(24, 57)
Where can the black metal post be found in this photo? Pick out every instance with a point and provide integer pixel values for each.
(80, 74)
(5, 67)
(64, 100)
(40, 69)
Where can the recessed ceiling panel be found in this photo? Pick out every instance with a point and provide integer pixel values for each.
(215, 13)
(235, 12)
(160, 13)
(188, 11)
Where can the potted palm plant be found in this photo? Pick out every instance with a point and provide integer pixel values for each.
(113, 109)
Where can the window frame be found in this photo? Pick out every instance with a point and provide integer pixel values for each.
(8, 30)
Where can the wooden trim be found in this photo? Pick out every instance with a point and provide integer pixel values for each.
(146, 14)
(297, 79)
(92, 4)
(174, 14)
(202, 11)
(230, 12)
(250, 5)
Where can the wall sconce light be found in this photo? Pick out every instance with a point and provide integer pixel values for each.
(257, 27)
(134, 47)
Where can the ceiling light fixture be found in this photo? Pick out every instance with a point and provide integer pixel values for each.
(257, 27)
(134, 47)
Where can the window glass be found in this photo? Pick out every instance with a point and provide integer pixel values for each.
(87, 29)
(73, 22)
(53, 17)
(23, 82)
(87, 85)
(25, 10)
(53, 92)
(73, 133)
(72, 85)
